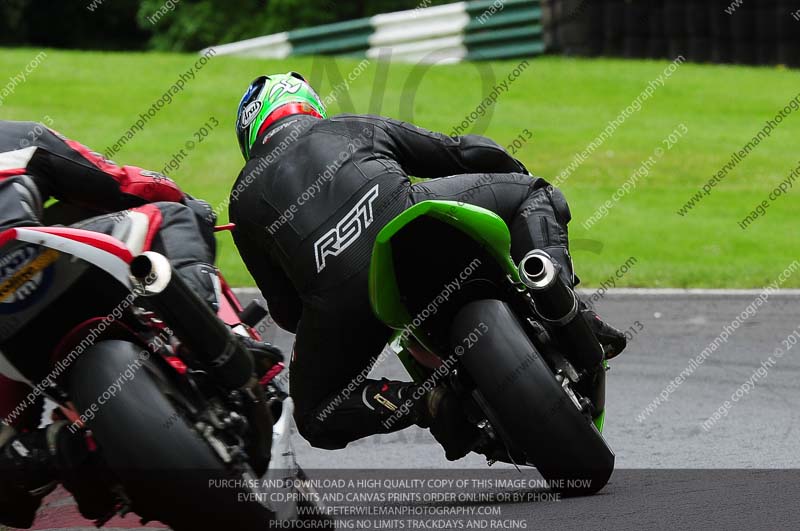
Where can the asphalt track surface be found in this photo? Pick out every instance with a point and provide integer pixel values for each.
(672, 472)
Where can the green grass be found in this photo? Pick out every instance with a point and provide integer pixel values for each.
(94, 97)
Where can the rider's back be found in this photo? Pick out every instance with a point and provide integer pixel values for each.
(323, 187)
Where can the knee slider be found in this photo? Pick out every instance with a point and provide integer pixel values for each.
(30, 199)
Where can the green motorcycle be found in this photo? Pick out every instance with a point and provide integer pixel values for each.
(508, 338)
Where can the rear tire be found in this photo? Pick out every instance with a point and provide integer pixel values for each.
(165, 466)
(533, 410)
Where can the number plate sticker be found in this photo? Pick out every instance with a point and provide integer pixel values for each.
(25, 274)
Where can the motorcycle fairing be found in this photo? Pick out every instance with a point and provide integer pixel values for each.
(57, 257)
(480, 224)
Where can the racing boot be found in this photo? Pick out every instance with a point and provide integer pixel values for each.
(402, 404)
(613, 340)
(437, 409)
(443, 413)
(395, 402)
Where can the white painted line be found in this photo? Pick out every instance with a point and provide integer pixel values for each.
(247, 292)
(698, 292)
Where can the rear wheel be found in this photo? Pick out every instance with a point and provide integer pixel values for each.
(167, 469)
(534, 412)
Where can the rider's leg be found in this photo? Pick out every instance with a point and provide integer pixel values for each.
(536, 213)
(171, 229)
(336, 403)
(185, 236)
(187, 242)
(337, 344)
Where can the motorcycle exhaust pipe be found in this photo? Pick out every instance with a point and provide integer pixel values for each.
(557, 304)
(192, 321)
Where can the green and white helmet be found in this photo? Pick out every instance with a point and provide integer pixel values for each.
(270, 98)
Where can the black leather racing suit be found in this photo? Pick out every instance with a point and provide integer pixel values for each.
(308, 206)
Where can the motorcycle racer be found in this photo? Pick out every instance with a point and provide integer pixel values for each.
(308, 204)
(37, 163)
